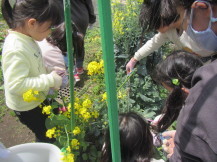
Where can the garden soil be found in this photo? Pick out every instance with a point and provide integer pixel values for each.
(12, 132)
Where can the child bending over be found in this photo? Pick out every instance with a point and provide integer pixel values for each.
(136, 141)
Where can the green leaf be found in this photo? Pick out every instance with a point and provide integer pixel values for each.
(84, 156)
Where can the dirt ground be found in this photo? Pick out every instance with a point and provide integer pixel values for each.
(12, 132)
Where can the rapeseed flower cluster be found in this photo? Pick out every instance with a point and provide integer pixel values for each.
(95, 68)
(68, 157)
(31, 95)
(51, 133)
(75, 144)
(76, 131)
(46, 110)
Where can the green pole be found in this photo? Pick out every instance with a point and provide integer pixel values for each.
(68, 26)
(108, 57)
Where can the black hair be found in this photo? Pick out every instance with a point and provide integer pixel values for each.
(58, 37)
(179, 65)
(41, 10)
(157, 13)
(136, 141)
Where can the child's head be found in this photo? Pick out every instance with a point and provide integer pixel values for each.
(58, 36)
(179, 65)
(135, 139)
(175, 73)
(157, 14)
(32, 13)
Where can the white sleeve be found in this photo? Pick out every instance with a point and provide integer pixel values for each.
(17, 70)
(151, 45)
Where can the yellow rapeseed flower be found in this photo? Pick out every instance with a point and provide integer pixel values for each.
(50, 132)
(69, 149)
(86, 116)
(76, 131)
(104, 96)
(75, 144)
(30, 96)
(46, 110)
(87, 103)
(69, 157)
(92, 68)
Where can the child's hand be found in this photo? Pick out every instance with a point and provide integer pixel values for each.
(60, 71)
(57, 80)
(168, 144)
(130, 65)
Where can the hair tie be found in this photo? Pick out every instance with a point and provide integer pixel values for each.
(176, 82)
(12, 3)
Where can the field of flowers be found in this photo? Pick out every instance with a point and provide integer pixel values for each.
(136, 92)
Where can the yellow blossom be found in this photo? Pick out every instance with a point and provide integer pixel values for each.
(30, 96)
(86, 116)
(69, 149)
(46, 110)
(95, 68)
(87, 103)
(75, 144)
(50, 132)
(82, 111)
(104, 96)
(76, 131)
(121, 95)
(68, 157)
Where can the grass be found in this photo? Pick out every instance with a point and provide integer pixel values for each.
(3, 33)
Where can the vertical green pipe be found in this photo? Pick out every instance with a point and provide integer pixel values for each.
(68, 26)
(104, 7)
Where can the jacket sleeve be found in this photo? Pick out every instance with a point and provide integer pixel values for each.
(90, 8)
(151, 45)
(19, 78)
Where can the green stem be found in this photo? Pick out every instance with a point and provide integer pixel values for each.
(64, 104)
(67, 135)
(128, 77)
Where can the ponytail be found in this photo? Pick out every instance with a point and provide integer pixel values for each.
(15, 12)
(7, 12)
(171, 110)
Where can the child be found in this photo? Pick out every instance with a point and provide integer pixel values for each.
(135, 139)
(173, 21)
(54, 49)
(22, 63)
(82, 15)
(195, 137)
(175, 74)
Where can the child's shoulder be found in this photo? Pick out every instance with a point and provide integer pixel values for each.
(16, 41)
